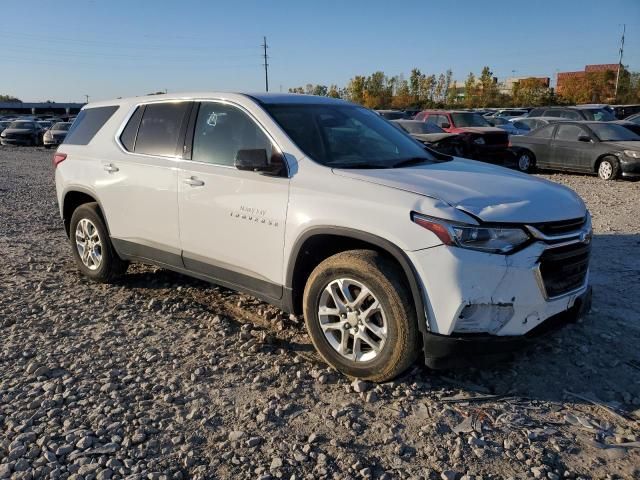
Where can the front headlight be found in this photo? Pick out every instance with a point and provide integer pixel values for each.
(485, 239)
(478, 141)
(632, 153)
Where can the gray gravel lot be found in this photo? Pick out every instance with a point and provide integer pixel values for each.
(160, 376)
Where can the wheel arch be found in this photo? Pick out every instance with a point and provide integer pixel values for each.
(318, 243)
(75, 197)
(596, 164)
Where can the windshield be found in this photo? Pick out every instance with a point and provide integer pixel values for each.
(469, 120)
(416, 127)
(598, 114)
(613, 133)
(61, 126)
(22, 125)
(346, 136)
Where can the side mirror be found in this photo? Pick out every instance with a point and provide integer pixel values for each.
(445, 125)
(584, 138)
(252, 159)
(256, 160)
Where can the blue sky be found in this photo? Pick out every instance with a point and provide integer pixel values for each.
(65, 49)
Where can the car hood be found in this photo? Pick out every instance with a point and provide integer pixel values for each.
(18, 130)
(432, 137)
(491, 193)
(628, 145)
(481, 129)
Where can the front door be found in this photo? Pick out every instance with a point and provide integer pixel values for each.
(567, 151)
(232, 222)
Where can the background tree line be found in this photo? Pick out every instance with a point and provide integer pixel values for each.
(421, 90)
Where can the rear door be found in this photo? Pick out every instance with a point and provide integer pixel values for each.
(568, 152)
(539, 142)
(138, 188)
(232, 222)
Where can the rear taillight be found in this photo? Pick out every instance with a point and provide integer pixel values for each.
(58, 158)
(509, 144)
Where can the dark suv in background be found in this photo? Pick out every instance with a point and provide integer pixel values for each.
(578, 113)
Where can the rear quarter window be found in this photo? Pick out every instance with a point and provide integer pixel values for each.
(88, 122)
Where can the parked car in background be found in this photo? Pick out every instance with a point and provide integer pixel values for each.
(4, 124)
(634, 127)
(603, 148)
(634, 118)
(393, 114)
(525, 124)
(481, 140)
(56, 134)
(503, 123)
(580, 112)
(509, 113)
(22, 132)
(433, 136)
(411, 112)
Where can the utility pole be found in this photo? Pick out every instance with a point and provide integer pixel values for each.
(624, 28)
(266, 65)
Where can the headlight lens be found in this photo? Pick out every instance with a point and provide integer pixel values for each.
(478, 141)
(632, 153)
(485, 239)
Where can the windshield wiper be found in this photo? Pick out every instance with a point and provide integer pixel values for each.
(410, 161)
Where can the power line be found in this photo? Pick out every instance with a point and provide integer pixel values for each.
(624, 28)
(266, 65)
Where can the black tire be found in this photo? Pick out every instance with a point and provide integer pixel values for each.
(385, 281)
(525, 161)
(110, 265)
(47, 147)
(608, 168)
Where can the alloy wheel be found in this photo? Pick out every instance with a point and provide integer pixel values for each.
(524, 162)
(89, 244)
(352, 320)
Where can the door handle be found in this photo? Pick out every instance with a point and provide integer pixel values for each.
(193, 182)
(111, 168)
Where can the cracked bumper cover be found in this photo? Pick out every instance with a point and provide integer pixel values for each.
(455, 278)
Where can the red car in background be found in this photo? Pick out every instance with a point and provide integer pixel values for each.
(480, 140)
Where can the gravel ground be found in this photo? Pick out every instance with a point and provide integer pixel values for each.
(160, 376)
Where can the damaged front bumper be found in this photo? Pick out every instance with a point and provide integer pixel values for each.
(450, 351)
(489, 303)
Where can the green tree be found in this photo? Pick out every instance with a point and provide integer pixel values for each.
(402, 98)
(355, 89)
(320, 90)
(9, 98)
(439, 92)
(531, 92)
(470, 90)
(415, 81)
(488, 89)
(333, 92)
(376, 92)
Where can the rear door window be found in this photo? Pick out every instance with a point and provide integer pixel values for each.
(87, 124)
(544, 132)
(160, 128)
(569, 133)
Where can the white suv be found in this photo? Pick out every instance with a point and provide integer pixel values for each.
(323, 208)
